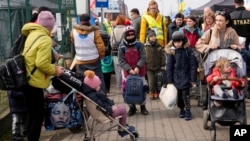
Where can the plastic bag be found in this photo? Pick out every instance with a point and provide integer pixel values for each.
(168, 96)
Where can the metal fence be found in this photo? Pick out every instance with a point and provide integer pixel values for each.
(15, 13)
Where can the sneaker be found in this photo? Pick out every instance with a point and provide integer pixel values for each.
(144, 111)
(156, 95)
(132, 110)
(188, 115)
(123, 133)
(151, 96)
(17, 137)
(182, 113)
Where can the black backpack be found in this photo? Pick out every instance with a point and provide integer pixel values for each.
(18, 45)
(13, 71)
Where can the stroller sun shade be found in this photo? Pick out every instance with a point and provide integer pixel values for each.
(233, 56)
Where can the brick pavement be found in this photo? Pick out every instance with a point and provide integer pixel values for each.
(160, 125)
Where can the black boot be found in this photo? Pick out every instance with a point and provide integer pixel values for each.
(144, 111)
(17, 137)
(132, 110)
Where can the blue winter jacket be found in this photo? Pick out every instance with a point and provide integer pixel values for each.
(181, 68)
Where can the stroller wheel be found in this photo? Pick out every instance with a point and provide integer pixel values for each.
(245, 120)
(86, 139)
(213, 135)
(136, 136)
(205, 119)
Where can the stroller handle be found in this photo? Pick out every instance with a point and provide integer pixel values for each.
(219, 47)
(227, 78)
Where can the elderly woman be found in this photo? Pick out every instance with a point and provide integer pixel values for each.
(222, 35)
(209, 21)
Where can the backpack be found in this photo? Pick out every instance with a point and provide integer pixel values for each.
(115, 45)
(18, 45)
(134, 90)
(161, 79)
(13, 70)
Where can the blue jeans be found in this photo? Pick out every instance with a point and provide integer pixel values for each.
(96, 67)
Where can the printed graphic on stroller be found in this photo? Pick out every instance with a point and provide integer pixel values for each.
(225, 111)
(98, 121)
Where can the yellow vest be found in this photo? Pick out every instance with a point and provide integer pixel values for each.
(108, 27)
(157, 27)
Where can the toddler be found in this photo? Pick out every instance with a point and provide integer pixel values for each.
(92, 90)
(224, 88)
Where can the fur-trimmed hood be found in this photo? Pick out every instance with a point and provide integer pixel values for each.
(83, 29)
(170, 44)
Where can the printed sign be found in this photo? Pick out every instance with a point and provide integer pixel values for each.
(102, 3)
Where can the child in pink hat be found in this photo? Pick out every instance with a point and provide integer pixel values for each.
(92, 90)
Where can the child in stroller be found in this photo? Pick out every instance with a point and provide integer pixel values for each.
(222, 86)
(92, 90)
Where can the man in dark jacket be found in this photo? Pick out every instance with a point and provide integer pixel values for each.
(174, 26)
(241, 21)
(136, 21)
(241, 24)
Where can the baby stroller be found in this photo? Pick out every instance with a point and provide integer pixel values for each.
(97, 121)
(231, 110)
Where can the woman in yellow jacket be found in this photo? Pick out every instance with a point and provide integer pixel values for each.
(154, 20)
(37, 55)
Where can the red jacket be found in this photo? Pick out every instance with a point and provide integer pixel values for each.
(216, 72)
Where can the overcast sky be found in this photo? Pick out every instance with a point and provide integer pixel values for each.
(165, 6)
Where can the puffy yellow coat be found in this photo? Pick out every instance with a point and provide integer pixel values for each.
(144, 26)
(39, 55)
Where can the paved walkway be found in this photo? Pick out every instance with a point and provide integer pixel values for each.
(160, 125)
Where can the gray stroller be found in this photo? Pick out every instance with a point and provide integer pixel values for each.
(231, 110)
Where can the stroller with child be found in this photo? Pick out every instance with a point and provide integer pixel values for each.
(225, 111)
(96, 119)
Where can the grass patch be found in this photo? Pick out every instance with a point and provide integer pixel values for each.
(4, 103)
(6, 136)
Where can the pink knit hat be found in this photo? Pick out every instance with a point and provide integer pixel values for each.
(91, 79)
(46, 19)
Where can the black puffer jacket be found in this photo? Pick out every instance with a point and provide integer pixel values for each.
(16, 102)
(181, 68)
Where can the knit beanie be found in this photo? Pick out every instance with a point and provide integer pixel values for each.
(91, 79)
(150, 33)
(46, 19)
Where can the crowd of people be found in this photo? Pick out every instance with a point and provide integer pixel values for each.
(142, 45)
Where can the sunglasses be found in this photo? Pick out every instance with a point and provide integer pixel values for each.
(220, 12)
